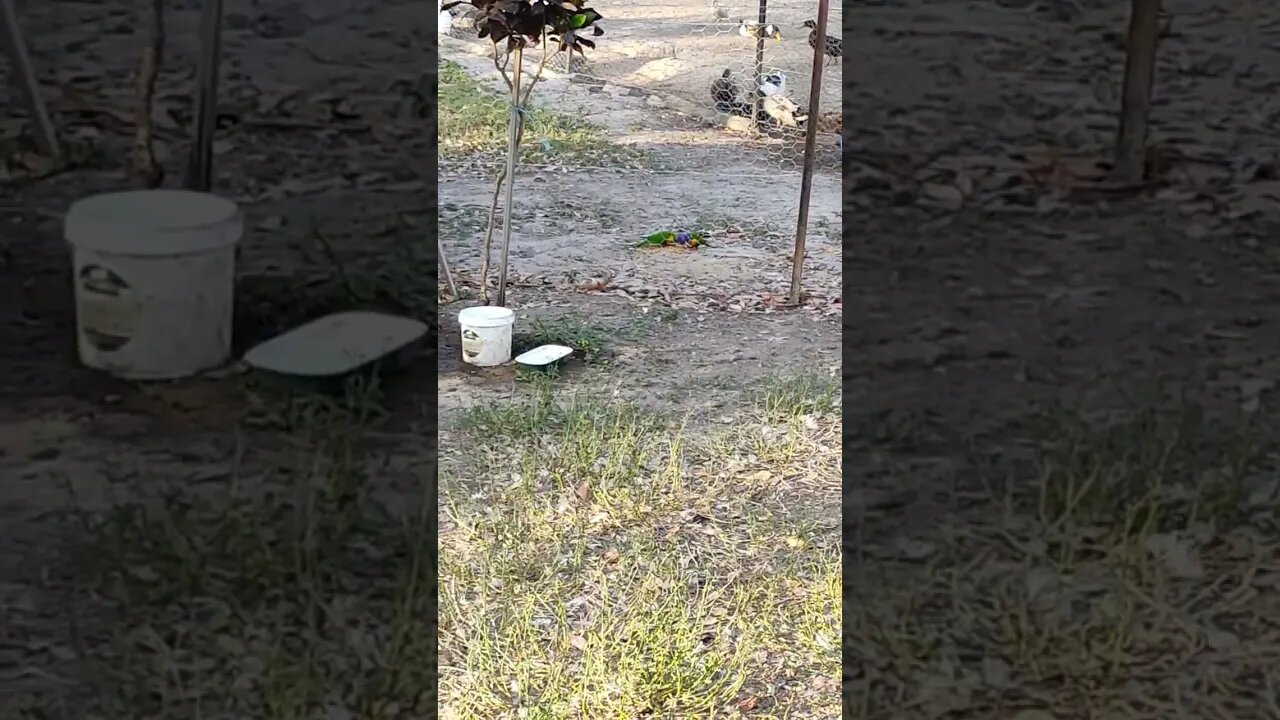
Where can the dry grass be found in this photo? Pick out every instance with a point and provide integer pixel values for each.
(473, 121)
(1125, 567)
(598, 561)
(283, 590)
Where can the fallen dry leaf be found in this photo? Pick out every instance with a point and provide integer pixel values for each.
(1180, 559)
(948, 197)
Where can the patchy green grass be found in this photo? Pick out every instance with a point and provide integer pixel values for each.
(591, 341)
(600, 561)
(1123, 566)
(473, 120)
(587, 339)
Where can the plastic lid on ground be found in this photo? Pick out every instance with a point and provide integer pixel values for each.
(335, 344)
(153, 222)
(544, 355)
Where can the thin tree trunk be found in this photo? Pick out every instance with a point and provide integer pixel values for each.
(487, 251)
(521, 102)
(513, 149)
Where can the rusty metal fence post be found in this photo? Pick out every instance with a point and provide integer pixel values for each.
(810, 150)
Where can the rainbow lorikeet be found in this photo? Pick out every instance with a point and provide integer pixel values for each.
(674, 238)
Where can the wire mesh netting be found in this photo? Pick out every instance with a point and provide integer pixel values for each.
(723, 58)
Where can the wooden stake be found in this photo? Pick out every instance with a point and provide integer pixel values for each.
(1139, 79)
(810, 150)
(205, 100)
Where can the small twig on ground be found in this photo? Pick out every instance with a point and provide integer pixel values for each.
(444, 264)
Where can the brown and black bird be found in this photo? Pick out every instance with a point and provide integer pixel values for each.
(832, 48)
(727, 95)
(723, 91)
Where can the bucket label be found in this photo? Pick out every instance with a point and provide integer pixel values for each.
(472, 344)
(108, 308)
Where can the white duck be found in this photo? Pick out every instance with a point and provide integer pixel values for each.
(445, 20)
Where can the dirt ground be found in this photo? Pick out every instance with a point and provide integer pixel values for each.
(986, 272)
(698, 177)
(1016, 332)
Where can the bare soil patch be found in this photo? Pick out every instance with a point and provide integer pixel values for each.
(1059, 393)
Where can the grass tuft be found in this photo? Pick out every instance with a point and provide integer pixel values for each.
(473, 120)
(587, 339)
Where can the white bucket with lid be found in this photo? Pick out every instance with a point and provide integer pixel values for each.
(486, 334)
(154, 276)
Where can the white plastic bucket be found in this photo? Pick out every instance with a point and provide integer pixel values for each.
(486, 334)
(154, 281)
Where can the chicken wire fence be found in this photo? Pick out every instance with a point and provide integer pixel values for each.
(716, 62)
(725, 60)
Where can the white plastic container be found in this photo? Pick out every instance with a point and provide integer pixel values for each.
(154, 281)
(486, 334)
(336, 345)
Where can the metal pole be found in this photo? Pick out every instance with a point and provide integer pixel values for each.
(810, 149)
(25, 78)
(513, 147)
(761, 20)
(200, 162)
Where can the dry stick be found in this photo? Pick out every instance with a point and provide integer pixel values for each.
(810, 142)
(200, 163)
(444, 263)
(144, 163)
(502, 173)
(1139, 77)
(28, 84)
